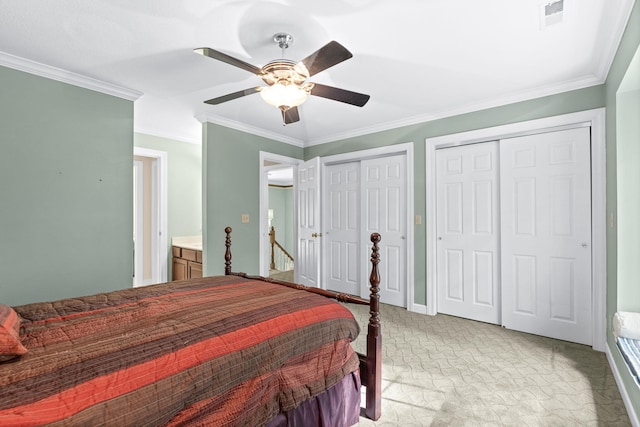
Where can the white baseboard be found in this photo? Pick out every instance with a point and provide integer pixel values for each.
(633, 417)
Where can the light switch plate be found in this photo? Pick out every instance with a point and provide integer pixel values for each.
(245, 218)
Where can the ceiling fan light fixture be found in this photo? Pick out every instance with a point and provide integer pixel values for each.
(287, 85)
(284, 95)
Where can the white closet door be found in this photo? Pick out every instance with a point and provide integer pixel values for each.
(546, 234)
(384, 210)
(341, 230)
(467, 253)
(307, 185)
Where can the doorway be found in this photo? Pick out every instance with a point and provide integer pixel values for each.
(150, 213)
(281, 222)
(591, 122)
(278, 221)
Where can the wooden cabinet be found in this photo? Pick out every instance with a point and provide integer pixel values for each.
(194, 270)
(179, 269)
(187, 263)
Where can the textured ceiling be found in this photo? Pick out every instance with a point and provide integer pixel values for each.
(419, 60)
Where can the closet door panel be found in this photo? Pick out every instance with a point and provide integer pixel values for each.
(467, 221)
(546, 234)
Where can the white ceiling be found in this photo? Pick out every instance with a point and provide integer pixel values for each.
(419, 60)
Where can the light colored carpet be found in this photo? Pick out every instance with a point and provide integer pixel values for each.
(446, 371)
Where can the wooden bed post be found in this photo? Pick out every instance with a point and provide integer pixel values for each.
(227, 253)
(371, 363)
(374, 339)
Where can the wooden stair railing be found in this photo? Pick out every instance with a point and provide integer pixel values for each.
(278, 253)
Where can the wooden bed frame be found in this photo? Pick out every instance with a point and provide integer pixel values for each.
(371, 363)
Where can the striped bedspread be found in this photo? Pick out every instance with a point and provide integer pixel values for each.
(215, 351)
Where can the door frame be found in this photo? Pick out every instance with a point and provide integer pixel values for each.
(263, 207)
(593, 118)
(159, 249)
(138, 223)
(398, 149)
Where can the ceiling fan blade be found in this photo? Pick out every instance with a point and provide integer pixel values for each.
(234, 95)
(342, 95)
(327, 56)
(291, 115)
(220, 56)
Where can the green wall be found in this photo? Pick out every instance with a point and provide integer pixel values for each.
(231, 165)
(617, 204)
(184, 186)
(66, 192)
(628, 179)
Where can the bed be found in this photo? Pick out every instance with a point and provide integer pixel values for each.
(233, 350)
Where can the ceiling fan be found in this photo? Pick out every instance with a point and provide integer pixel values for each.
(287, 80)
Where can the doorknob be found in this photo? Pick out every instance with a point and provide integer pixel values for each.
(316, 234)
(584, 245)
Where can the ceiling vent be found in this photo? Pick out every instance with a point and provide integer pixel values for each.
(551, 13)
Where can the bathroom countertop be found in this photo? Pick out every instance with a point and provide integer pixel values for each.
(188, 242)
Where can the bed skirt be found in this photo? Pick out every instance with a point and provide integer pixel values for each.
(339, 406)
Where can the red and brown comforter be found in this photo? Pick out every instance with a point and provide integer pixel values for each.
(214, 351)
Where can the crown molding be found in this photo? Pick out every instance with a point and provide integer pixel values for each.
(619, 28)
(212, 118)
(588, 81)
(470, 108)
(64, 76)
(166, 135)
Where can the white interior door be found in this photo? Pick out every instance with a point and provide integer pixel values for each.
(546, 234)
(467, 224)
(307, 185)
(384, 210)
(341, 230)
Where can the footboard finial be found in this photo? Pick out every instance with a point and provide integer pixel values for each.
(374, 339)
(227, 253)
(374, 280)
